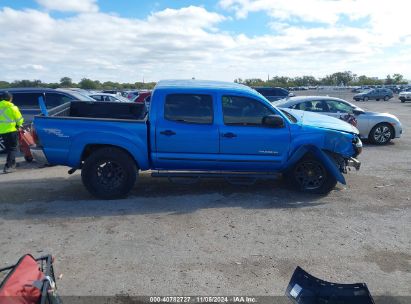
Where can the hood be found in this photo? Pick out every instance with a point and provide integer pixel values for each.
(378, 114)
(321, 121)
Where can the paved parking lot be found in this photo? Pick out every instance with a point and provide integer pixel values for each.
(214, 238)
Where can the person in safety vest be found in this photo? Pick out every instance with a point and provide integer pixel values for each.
(10, 121)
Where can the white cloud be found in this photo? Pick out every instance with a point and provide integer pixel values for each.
(386, 20)
(178, 43)
(80, 6)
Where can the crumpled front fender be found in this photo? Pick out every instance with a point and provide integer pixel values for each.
(321, 156)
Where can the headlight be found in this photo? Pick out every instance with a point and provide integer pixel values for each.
(357, 143)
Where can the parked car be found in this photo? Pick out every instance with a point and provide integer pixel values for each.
(108, 97)
(196, 129)
(273, 94)
(27, 99)
(132, 94)
(377, 94)
(405, 95)
(115, 92)
(141, 97)
(81, 91)
(378, 128)
(359, 89)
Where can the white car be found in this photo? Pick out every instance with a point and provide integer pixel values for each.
(405, 95)
(108, 97)
(378, 128)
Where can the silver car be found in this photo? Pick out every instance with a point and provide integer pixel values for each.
(108, 97)
(405, 95)
(378, 128)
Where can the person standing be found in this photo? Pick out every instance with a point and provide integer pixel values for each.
(10, 121)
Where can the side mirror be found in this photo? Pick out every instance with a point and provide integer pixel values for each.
(358, 112)
(273, 121)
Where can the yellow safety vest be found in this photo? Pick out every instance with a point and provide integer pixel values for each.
(10, 117)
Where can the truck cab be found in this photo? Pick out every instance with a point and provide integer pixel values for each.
(196, 128)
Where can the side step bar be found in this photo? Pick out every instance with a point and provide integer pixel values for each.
(235, 178)
(215, 174)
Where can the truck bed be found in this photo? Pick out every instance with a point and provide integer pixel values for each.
(68, 130)
(100, 110)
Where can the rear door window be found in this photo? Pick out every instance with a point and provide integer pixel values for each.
(189, 108)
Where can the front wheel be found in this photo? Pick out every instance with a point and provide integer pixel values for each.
(381, 134)
(386, 98)
(365, 98)
(109, 173)
(309, 175)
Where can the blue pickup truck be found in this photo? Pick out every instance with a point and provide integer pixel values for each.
(195, 129)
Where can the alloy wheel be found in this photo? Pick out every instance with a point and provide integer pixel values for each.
(382, 134)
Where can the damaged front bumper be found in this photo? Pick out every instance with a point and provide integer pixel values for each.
(353, 162)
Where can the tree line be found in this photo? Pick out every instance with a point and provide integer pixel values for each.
(85, 83)
(346, 78)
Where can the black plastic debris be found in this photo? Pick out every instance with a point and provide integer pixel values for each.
(307, 289)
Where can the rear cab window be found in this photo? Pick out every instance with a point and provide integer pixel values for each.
(189, 108)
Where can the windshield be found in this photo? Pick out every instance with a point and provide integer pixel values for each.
(289, 116)
(280, 102)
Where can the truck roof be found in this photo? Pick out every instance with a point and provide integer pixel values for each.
(203, 84)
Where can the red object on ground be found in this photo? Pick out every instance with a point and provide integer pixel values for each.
(25, 141)
(17, 288)
(142, 96)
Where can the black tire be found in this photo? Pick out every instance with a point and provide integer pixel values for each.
(381, 134)
(28, 159)
(386, 98)
(402, 100)
(309, 175)
(365, 98)
(109, 173)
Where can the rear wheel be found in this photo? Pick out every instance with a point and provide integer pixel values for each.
(309, 175)
(109, 173)
(381, 134)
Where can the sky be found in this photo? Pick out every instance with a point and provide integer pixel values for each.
(142, 40)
